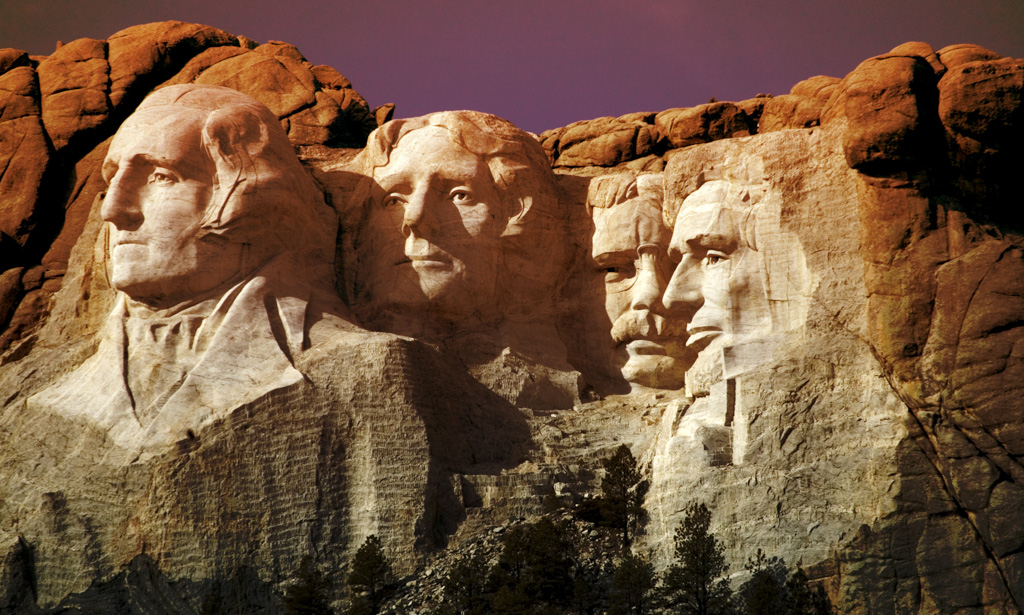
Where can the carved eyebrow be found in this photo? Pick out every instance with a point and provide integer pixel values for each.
(109, 169)
(614, 258)
(713, 241)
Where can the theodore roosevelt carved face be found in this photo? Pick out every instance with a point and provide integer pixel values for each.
(630, 257)
(445, 190)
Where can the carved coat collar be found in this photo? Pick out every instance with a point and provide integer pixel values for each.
(241, 351)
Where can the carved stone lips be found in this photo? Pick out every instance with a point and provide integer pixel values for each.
(433, 260)
(645, 347)
(127, 242)
(701, 336)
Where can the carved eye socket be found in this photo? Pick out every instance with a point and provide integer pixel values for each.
(714, 257)
(461, 196)
(616, 274)
(159, 177)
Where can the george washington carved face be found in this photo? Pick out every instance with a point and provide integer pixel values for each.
(204, 188)
(161, 182)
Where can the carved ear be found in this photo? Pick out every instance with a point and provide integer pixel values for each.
(234, 138)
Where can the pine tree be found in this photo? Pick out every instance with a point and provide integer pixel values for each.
(806, 601)
(464, 587)
(547, 574)
(632, 587)
(309, 594)
(764, 593)
(695, 583)
(371, 572)
(622, 493)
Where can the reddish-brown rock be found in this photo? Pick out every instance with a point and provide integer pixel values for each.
(143, 56)
(10, 292)
(209, 57)
(602, 142)
(920, 50)
(821, 87)
(75, 83)
(703, 123)
(790, 111)
(955, 55)
(13, 58)
(886, 101)
(279, 82)
(981, 100)
(24, 156)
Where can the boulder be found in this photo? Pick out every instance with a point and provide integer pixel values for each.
(887, 102)
(141, 57)
(279, 82)
(703, 124)
(25, 155)
(790, 111)
(13, 58)
(602, 142)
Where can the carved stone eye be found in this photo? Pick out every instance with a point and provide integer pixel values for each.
(461, 196)
(615, 274)
(713, 257)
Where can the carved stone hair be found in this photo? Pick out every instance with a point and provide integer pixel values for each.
(262, 195)
(519, 168)
(534, 250)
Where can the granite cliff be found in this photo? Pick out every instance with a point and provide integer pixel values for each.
(848, 395)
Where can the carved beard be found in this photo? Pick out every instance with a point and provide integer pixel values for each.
(705, 371)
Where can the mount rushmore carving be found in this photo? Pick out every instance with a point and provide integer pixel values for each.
(250, 320)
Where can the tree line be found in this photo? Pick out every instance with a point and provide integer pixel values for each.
(545, 568)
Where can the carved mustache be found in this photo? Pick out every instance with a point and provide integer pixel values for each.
(646, 326)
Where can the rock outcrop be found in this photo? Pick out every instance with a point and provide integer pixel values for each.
(853, 381)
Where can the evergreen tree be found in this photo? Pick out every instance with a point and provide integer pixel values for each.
(806, 601)
(512, 561)
(309, 594)
(371, 572)
(623, 490)
(695, 583)
(465, 586)
(632, 587)
(764, 593)
(547, 574)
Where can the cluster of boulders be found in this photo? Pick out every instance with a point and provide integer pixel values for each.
(903, 107)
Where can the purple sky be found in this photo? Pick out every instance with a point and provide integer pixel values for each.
(545, 63)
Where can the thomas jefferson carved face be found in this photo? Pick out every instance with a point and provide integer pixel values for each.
(161, 182)
(433, 228)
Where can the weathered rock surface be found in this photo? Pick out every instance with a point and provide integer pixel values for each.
(871, 429)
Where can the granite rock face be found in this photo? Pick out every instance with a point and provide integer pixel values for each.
(803, 310)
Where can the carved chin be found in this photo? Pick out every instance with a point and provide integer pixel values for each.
(438, 281)
(656, 372)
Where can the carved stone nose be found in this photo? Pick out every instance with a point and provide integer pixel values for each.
(120, 207)
(683, 294)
